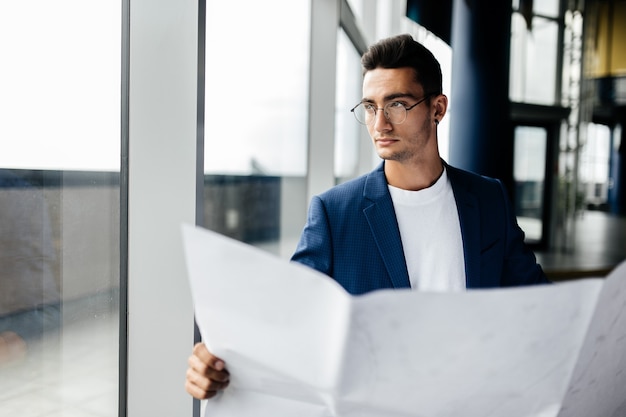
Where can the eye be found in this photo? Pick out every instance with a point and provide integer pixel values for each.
(396, 105)
(369, 107)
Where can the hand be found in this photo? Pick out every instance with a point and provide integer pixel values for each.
(206, 375)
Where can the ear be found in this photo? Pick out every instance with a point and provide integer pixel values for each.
(439, 107)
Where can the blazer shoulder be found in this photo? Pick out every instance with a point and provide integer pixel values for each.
(468, 177)
(474, 183)
(366, 185)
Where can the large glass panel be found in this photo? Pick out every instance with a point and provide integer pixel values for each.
(59, 207)
(534, 52)
(594, 167)
(256, 121)
(348, 134)
(529, 174)
(549, 8)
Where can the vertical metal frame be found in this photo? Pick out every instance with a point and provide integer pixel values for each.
(123, 302)
(200, 147)
(322, 76)
(162, 175)
(351, 26)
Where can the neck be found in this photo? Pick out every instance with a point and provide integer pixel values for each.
(413, 177)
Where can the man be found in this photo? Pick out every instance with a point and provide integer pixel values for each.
(414, 222)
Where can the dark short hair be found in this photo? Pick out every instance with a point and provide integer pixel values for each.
(403, 51)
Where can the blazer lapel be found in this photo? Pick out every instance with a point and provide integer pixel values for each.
(384, 227)
(469, 219)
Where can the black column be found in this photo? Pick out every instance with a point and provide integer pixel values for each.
(481, 136)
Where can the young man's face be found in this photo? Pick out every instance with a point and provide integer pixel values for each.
(411, 140)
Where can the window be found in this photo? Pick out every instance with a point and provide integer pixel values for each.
(534, 53)
(256, 123)
(530, 177)
(349, 135)
(59, 207)
(594, 166)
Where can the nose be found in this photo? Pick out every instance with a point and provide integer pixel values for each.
(381, 123)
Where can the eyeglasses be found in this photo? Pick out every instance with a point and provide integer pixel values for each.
(394, 111)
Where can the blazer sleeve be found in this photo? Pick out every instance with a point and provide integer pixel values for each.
(520, 264)
(315, 246)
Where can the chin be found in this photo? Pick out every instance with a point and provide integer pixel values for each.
(385, 154)
(388, 156)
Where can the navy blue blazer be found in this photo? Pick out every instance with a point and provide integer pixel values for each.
(352, 235)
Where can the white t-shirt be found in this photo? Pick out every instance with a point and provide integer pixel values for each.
(431, 236)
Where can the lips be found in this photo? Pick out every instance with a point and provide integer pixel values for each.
(385, 141)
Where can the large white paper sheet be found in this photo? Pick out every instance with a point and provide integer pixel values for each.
(296, 344)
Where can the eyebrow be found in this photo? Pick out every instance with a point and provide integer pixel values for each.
(391, 97)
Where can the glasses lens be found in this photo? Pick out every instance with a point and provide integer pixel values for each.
(395, 112)
(362, 115)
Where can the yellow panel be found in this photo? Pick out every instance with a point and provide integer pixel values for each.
(618, 48)
(597, 40)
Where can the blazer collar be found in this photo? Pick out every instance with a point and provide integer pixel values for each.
(376, 184)
(383, 224)
(469, 219)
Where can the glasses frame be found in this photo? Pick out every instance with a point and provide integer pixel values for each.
(386, 113)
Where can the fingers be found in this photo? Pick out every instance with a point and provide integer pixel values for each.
(201, 352)
(206, 375)
(205, 363)
(201, 387)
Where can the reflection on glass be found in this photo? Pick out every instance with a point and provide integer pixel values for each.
(529, 175)
(255, 126)
(59, 208)
(59, 286)
(30, 292)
